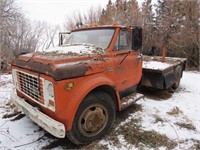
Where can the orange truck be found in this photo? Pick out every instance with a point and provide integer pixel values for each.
(74, 90)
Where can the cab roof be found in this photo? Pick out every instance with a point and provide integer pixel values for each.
(98, 27)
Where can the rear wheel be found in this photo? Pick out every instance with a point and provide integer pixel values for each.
(178, 73)
(93, 119)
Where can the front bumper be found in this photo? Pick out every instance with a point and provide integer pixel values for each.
(52, 126)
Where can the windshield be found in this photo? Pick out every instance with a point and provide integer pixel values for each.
(98, 37)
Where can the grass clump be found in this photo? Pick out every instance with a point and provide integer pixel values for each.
(158, 119)
(139, 137)
(175, 111)
(188, 126)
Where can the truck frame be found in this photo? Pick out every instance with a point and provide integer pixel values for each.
(75, 90)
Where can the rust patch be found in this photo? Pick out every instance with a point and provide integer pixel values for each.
(64, 72)
(70, 71)
(33, 65)
(124, 82)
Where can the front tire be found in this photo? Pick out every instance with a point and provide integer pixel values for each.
(94, 118)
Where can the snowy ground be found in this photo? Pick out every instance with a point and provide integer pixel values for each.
(162, 120)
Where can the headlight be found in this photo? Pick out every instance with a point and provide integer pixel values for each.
(50, 90)
(49, 99)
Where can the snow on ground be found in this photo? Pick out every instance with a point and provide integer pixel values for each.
(5, 89)
(175, 116)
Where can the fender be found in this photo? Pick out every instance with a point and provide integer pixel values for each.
(81, 93)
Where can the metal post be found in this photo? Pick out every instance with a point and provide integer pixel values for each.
(164, 52)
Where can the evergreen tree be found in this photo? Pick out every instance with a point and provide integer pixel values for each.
(148, 25)
(122, 12)
(107, 14)
(134, 14)
(177, 26)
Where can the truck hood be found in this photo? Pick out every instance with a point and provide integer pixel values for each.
(68, 61)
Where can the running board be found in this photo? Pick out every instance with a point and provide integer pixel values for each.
(130, 99)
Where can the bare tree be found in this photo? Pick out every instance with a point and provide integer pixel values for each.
(9, 14)
(93, 15)
(17, 33)
(49, 37)
(78, 19)
(177, 25)
(73, 21)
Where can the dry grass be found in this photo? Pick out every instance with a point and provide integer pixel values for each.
(140, 138)
(187, 126)
(157, 119)
(175, 111)
(121, 116)
(154, 94)
(95, 146)
(196, 146)
(10, 110)
(135, 135)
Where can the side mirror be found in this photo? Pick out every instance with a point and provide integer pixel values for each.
(136, 38)
(62, 36)
(23, 53)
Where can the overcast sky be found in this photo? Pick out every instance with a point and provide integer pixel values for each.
(56, 11)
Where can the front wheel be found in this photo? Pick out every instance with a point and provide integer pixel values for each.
(93, 119)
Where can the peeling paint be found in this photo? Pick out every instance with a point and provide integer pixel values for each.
(67, 68)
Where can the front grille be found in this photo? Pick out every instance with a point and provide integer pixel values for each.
(30, 85)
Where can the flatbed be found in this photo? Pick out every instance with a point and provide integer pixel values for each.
(162, 75)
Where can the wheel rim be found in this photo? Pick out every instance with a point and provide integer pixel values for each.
(93, 120)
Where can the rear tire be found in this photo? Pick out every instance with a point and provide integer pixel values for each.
(178, 74)
(94, 118)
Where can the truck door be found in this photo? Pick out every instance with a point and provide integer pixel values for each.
(128, 62)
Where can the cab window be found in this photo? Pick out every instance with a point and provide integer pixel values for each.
(123, 41)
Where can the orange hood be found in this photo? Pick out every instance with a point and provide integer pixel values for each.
(60, 64)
